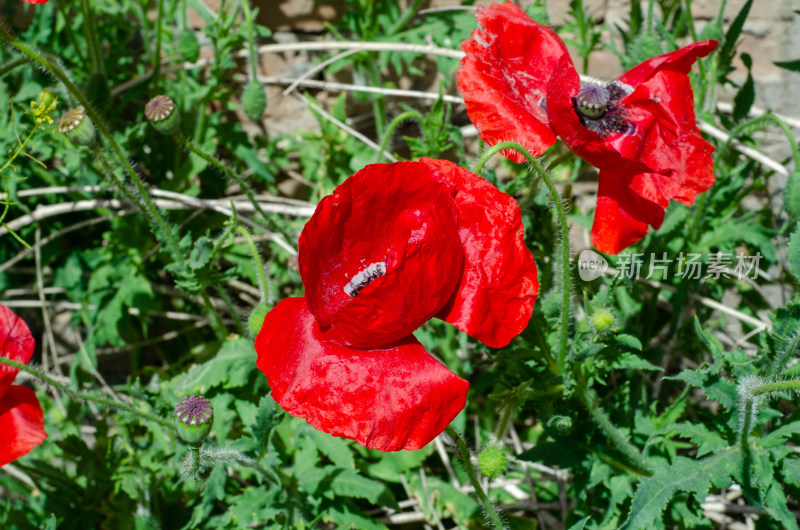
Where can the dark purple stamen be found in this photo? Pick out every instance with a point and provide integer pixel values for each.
(598, 108)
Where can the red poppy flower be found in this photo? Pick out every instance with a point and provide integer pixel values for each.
(395, 245)
(36, 1)
(21, 418)
(639, 130)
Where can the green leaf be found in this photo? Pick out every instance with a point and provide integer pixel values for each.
(706, 440)
(231, 367)
(793, 66)
(794, 251)
(791, 470)
(201, 252)
(349, 483)
(728, 47)
(337, 449)
(344, 517)
(267, 417)
(582, 523)
(780, 435)
(630, 341)
(746, 95)
(629, 361)
(685, 474)
(776, 506)
(52, 523)
(791, 197)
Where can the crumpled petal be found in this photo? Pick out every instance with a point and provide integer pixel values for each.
(389, 399)
(394, 214)
(622, 215)
(494, 299)
(679, 61)
(504, 78)
(21, 423)
(16, 343)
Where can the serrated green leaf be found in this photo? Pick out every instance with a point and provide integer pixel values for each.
(706, 440)
(629, 361)
(349, 483)
(713, 345)
(267, 417)
(693, 476)
(337, 449)
(346, 518)
(231, 367)
(728, 48)
(791, 470)
(779, 435)
(201, 252)
(715, 387)
(629, 340)
(582, 523)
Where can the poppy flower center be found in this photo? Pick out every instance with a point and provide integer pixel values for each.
(598, 109)
(364, 278)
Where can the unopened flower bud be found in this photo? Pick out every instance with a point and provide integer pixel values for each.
(561, 424)
(194, 417)
(492, 462)
(47, 98)
(254, 100)
(162, 113)
(77, 126)
(602, 319)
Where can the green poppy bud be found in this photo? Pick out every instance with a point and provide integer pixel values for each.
(791, 196)
(77, 126)
(256, 319)
(492, 462)
(162, 113)
(188, 45)
(561, 424)
(194, 417)
(254, 100)
(602, 319)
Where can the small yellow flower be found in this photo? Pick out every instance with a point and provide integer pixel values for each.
(47, 104)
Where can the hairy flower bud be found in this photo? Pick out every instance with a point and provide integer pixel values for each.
(77, 126)
(492, 462)
(602, 319)
(162, 113)
(254, 101)
(193, 418)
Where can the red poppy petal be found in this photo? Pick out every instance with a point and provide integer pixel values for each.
(16, 343)
(390, 399)
(679, 61)
(504, 78)
(395, 216)
(21, 423)
(494, 300)
(36, 1)
(622, 215)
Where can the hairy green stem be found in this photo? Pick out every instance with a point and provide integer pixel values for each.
(780, 361)
(104, 131)
(222, 331)
(232, 310)
(91, 38)
(387, 136)
(108, 170)
(508, 411)
(473, 478)
(84, 396)
(590, 400)
(191, 147)
(252, 57)
(10, 66)
(262, 274)
(558, 208)
(157, 54)
(776, 386)
(755, 121)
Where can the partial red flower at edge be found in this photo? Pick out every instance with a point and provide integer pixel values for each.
(21, 417)
(36, 1)
(640, 130)
(504, 78)
(397, 397)
(397, 244)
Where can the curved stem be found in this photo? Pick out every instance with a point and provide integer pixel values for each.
(390, 130)
(91, 38)
(192, 148)
(262, 274)
(104, 131)
(566, 279)
(473, 478)
(589, 399)
(252, 57)
(10, 66)
(766, 117)
(84, 396)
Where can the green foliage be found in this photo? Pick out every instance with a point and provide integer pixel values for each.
(659, 408)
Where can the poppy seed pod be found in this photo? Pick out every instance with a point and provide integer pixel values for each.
(193, 418)
(163, 114)
(77, 126)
